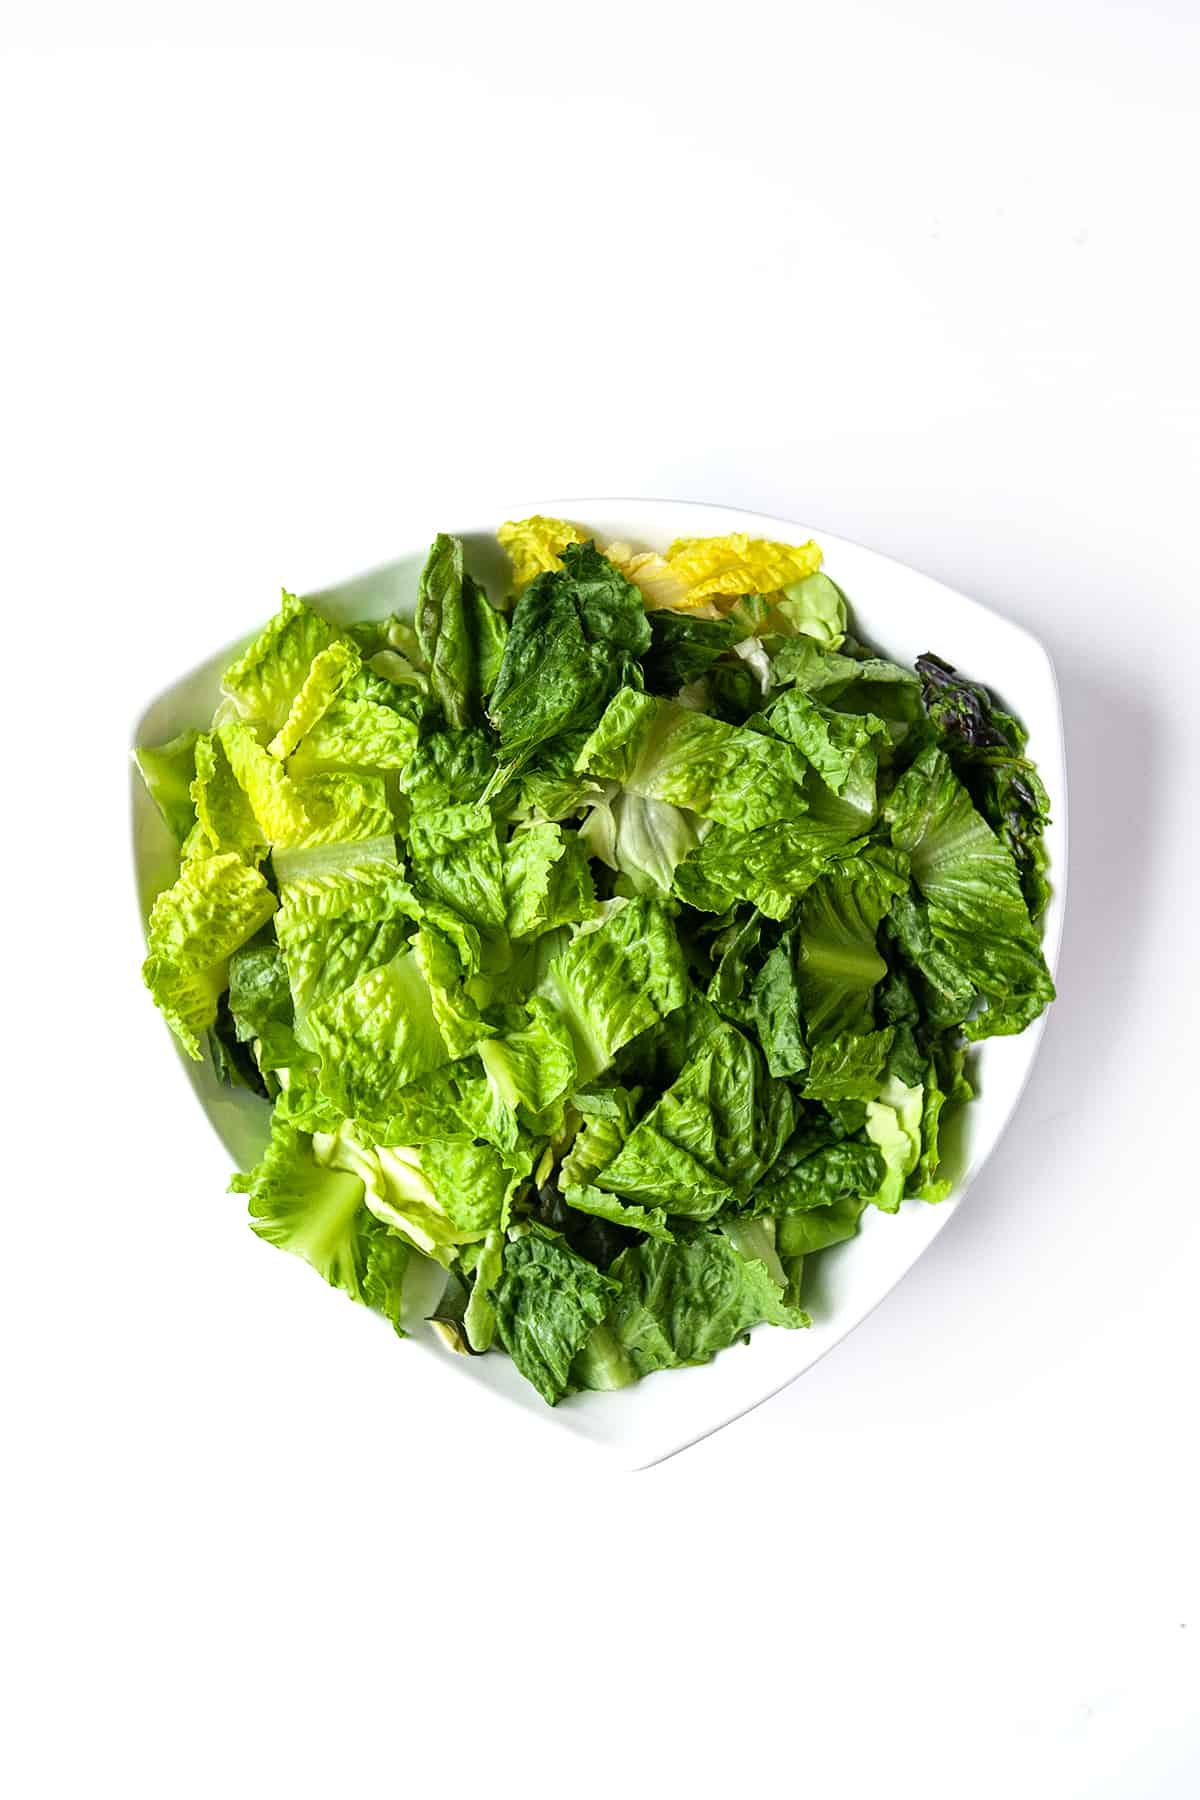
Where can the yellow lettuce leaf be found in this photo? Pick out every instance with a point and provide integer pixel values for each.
(739, 564)
(535, 545)
(660, 586)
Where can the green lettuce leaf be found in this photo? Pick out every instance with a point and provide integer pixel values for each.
(837, 958)
(546, 880)
(894, 1126)
(318, 1213)
(975, 908)
(376, 1036)
(546, 1302)
(664, 751)
(987, 748)
(680, 1303)
(606, 1119)
(776, 1012)
(617, 978)
(265, 680)
(168, 771)
(448, 768)
(547, 785)
(770, 868)
(456, 859)
(260, 1002)
(644, 840)
(361, 728)
(333, 930)
(834, 743)
(532, 1065)
(600, 1205)
(276, 802)
(855, 684)
(194, 928)
(683, 647)
(816, 608)
(815, 1170)
(801, 1233)
(328, 673)
(575, 637)
(461, 634)
(479, 1316)
(849, 1067)
(710, 1137)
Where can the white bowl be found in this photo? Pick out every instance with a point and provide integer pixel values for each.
(902, 612)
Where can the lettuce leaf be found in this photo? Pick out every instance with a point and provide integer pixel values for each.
(682, 648)
(837, 956)
(460, 633)
(318, 1213)
(814, 607)
(987, 748)
(680, 1303)
(850, 1067)
(328, 673)
(615, 980)
(216, 905)
(377, 1035)
(576, 636)
(664, 751)
(546, 1303)
(975, 908)
(832, 742)
(456, 859)
(448, 768)
(644, 840)
(739, 564)
(535, 546)
(266, 678)
(168, 771)
(712, 1135)
(546, 881)
(770, 867)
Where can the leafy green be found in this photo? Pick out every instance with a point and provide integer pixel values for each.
(815, 607)
(575, 636)
(849, 1067)
(546, 880)
(838, 960)
(448, 768)
(612, 956)
(456, 860)
(987, 748)
(644, 840)
(168, 772)
(680, 1303)
(194, 928)
(317, 1212)
(328, 673)
(975, 909)
(461, 634)
(664, 751)
(833, 742)
(713, 1134)
(683, 647)
(267, 677)
(616, 979)
(546, 1302)
(770, 868)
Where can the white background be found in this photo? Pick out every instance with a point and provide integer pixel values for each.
(924, 274)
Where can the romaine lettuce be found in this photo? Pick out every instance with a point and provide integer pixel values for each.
(612, 948)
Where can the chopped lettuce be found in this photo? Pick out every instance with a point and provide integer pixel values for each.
(611, 947)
